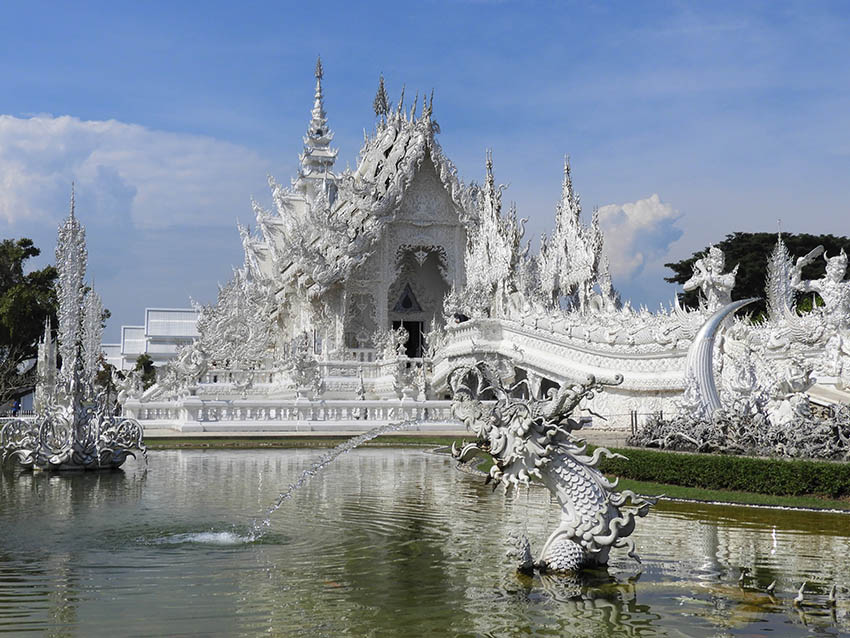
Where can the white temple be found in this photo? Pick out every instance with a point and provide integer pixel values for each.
(362, 290)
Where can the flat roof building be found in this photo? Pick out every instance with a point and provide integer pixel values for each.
(165, 330)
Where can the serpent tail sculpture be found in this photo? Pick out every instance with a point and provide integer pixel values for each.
(532, 439)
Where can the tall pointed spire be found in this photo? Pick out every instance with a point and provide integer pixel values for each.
(47, 329)
(318, 157)
(71, 257)
(319, 121)
(570, 204)
(72, 200)
(489, 181)
(381, 103)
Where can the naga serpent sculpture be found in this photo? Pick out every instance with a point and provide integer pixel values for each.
(532, 438)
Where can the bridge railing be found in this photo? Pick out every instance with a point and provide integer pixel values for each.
(194, 414)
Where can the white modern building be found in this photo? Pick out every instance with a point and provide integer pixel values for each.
(163, 332)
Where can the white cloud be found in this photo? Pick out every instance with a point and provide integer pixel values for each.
(159, 208)
(125, 173)
(637, 234)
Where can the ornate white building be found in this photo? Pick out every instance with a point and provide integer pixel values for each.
(363, 289)
(347, 254)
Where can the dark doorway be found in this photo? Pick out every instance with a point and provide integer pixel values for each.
(413, 347)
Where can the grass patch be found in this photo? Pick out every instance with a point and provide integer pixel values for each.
(775, 477)
(722, 496)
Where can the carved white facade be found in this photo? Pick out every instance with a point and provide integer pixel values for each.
(362, 289)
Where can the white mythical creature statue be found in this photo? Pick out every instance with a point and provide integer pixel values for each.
(715, 285)
(390, 343)
(832, 288)
(303, 368)
(532, 438)
(128, 386)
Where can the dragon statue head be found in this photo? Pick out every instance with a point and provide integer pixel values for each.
(532, 440)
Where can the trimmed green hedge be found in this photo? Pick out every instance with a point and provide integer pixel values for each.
(779, 477)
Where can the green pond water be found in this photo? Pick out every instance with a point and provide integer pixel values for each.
(384, 542)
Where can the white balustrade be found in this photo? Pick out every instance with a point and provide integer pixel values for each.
(278, 414)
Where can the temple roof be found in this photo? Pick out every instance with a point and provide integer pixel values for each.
(319, 235)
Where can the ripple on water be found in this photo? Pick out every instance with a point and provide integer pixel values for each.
(202, 538)
(386, 543)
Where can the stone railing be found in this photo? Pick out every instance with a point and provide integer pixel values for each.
(193, 414)
(23, 415)
(553, 356)
(353, 363)
(652, 381)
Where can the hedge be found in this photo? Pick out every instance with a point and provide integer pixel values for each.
(777, 477)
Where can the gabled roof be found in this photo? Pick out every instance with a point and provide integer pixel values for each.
(316, 244)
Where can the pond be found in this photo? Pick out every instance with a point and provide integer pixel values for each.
(384, 542)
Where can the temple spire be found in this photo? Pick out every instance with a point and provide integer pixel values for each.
(47, 329)
(319, 118)
(570, 204)
(72, 200)
(318, 157)
(381, 103)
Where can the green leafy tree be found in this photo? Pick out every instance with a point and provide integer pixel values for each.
(26, 300)
(103, 378)
(751, 251)
(144, 364)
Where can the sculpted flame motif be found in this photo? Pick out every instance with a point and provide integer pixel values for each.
(73, 435)
(532, 438)
(75, 428)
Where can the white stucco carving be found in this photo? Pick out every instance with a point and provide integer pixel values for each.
(400, 248)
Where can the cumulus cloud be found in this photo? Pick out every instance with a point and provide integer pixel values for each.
(126, 173)
(159, 208)
(637, 234)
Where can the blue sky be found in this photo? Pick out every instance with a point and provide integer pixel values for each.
(684, 121)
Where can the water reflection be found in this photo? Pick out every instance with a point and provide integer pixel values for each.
(385, 542)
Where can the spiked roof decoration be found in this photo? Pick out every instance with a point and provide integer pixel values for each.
(319, 235)
(318, 157)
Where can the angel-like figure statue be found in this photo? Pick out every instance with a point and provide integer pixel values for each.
(832, 288)
(129, 385)
(715, 285)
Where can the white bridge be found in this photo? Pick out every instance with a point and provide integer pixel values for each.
(363, 388)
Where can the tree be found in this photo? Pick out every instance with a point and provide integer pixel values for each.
(26, 300)
(144, 364)
(751, 251)
(104, 376)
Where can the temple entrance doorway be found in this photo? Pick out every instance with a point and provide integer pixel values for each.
(414, 346)
(416, 295)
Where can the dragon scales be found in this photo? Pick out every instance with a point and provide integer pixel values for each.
(532, 438)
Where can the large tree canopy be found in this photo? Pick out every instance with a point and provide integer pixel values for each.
(751, 251)
(26, 300)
